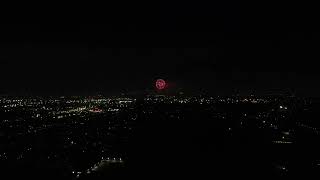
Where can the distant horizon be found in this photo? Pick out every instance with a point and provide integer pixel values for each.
(154, 92)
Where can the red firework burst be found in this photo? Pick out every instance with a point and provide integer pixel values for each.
(160, 84)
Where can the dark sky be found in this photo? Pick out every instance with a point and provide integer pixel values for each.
(217, 46)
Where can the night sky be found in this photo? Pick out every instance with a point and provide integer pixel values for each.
(217, 47)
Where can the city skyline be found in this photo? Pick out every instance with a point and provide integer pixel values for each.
(159, 89)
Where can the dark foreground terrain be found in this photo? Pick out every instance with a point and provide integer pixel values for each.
(162, 137)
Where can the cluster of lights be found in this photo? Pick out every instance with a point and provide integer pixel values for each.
(103, 161)
(282, 142)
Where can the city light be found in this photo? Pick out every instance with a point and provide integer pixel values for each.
(99, 127)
